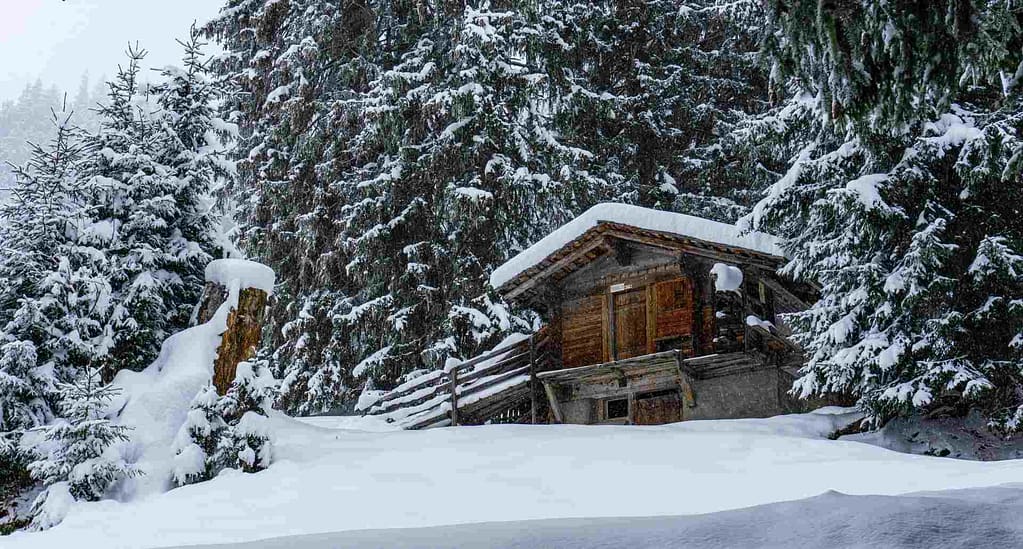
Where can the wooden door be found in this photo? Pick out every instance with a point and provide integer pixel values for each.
(630, 323)
(582, 336)
(657, 408)
(673, 312)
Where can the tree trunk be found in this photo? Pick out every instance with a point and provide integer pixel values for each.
(244, 327)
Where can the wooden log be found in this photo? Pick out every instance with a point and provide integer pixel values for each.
(247, 285)
(387, 406)
(213, 296)
(485, 409)
(387, 403)
(384, 404)
(516, 348)
(496, 368)
(497, 380)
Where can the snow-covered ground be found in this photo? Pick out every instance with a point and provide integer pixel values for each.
(968, 519)
(331, 476)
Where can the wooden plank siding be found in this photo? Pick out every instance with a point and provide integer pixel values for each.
(647, 313)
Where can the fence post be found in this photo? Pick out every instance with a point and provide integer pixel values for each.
(532, 378)
(454, 396)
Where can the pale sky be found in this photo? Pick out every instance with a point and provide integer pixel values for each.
(59, 40)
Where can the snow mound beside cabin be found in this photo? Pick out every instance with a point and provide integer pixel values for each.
(644, 218)
(337, 480)
(155, 401)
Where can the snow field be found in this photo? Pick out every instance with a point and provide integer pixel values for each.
(332, 480)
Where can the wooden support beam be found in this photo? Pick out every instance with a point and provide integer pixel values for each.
(781, 289)
(533, 405)
(698, 247)
(553, 400)
(685, 384)
(454, 396)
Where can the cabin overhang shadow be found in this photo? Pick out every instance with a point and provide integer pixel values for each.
(639, 331)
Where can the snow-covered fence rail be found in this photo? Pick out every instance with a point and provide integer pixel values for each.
(491, 386)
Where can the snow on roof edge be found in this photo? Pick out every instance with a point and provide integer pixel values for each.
(644, 218)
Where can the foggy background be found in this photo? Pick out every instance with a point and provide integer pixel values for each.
(58, 41)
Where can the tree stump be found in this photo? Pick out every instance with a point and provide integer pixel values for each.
(244, 328)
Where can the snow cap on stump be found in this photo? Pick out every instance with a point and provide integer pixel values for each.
(249, 274)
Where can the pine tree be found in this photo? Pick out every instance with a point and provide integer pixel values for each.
(650, 88)
(230, 431)
(462, 167)
(199, 441)
(76, 450)
(151, 185)
(248, 444)
(53, 291)
(194, 145)
(902, 202)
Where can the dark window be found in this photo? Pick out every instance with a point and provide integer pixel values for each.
(669, 344)
(618, 408)
(657, 394)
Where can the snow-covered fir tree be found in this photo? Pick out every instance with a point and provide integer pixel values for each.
(462, 167)
(151, 180)
(76, 453)
(198, 443)
(195, 144)
(649, 88)
(230, 431)
(903, 200)
(54, 293)
(245, 408)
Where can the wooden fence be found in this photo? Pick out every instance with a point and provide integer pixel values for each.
(492, 387)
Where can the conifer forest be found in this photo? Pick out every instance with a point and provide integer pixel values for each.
(371, 199)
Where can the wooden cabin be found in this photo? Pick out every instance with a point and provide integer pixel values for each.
(655, 317)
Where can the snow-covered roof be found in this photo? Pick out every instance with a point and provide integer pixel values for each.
(688, 226)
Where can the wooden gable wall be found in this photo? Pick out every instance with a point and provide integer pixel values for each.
(641, 300)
